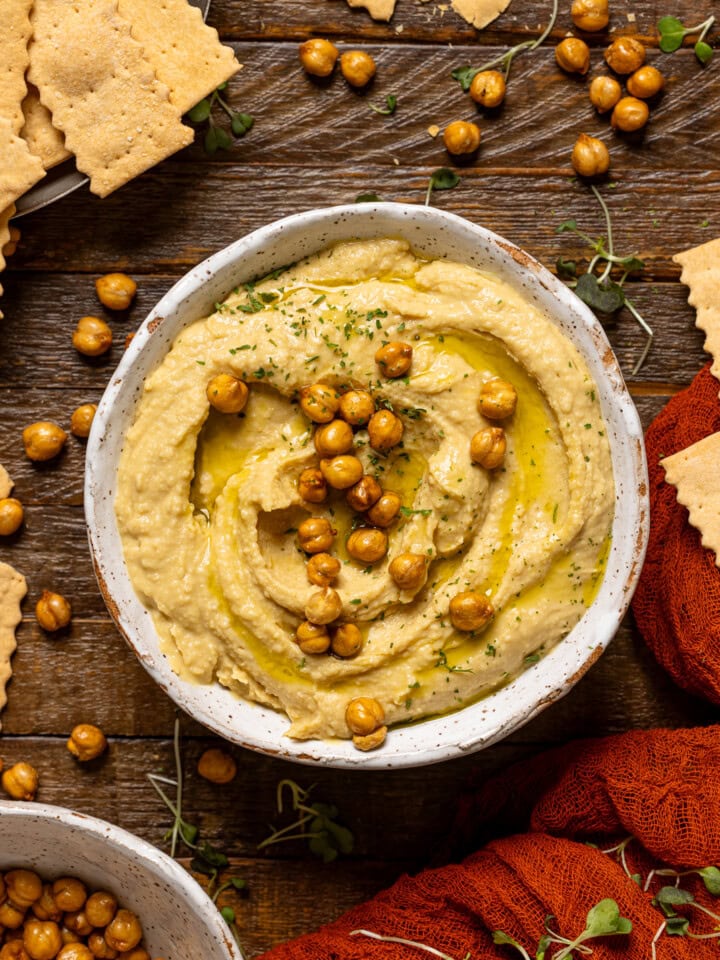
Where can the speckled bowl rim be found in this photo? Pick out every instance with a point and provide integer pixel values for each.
(127, 845)
(477, 725)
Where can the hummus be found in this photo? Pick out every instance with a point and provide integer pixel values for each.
(208, 504)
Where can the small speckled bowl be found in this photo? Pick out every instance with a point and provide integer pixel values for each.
(436, 234)
(179, 921)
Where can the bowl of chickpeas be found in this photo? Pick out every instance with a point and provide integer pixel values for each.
(76, 888)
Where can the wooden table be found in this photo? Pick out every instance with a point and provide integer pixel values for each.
(315, 144)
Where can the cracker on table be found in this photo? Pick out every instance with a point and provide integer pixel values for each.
(12, 590)
(15, 35)
(479, 13)
(19, 169)
(694, 474)
(102, 91)
(186, 53)
(43, 139)
(701, 272)
(378, 9)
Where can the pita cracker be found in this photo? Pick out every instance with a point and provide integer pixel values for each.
(701, 272)
(14, 38)
(187, 54)
(694, 474)
(19, 169)
(12, 590)
(102, 91)
(38, 132)
(479, 13)
(378, 9)
(6, 484)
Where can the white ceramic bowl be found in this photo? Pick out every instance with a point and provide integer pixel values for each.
(435, 234)
(179, 921)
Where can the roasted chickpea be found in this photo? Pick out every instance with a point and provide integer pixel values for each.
(470, 611)
(323, 569)
(75, 951)
(323, 606)
(367, 544)
(318, 57)
(385, 430)
(100, 948)
(590, 157)
(23, 887)
(315, 535)
(487, 447)
(488, 88)
(394, 359)
(346, 640)
(364, 494)
(11, 516)
(11, 917)
(604, 93)
(312, 485)
(53, 611)
(69, 936)
(139, 953)
(20, 782)
(645, 82)
(227, 394)
(371, 740)
(573, 55)
(498, 399)
(333, 439)
(81, 420)
(342, 472)
(42, 939)
(70, 894)
(124, 932)
(319, 402)
(45, 907)
(364, 715)
(86, 742)
(357, 406)
(408, 570)
(461, 137)
(357, 67)
(312, 638)
(630, 114)
(77, 922)
(625, 55)
(100, 908)
(590, 15)
(43, 440)
(92, 337)
(14, 950)
(385, 511)
(116, 291)
(217, 766)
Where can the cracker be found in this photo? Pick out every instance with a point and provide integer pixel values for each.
(12, 590)
(694, 474)
(378, 9)
(701, 272)
(19, 169)
(5, 216)
(6, 484)
(479, 13)
(14, 38)
(43, 139)
(102, 92)
(187, 54)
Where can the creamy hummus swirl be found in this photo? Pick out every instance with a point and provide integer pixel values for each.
(208, 505)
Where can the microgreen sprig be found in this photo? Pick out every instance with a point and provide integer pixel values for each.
(672, 33)
(217, 137)
(316, 823)
(603, 920)
(389, 109)
(426, 948)
(465, 75)
(600, 292)
(441, 179)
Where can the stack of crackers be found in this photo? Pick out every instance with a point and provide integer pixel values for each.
(107, 81)
(695, 471)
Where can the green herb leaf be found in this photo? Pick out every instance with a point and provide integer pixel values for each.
(567, 226)
(711, 879)
(704, 52)
(200, 112)
(633, 264)
(238, 883)
(671, 33)
(607, 297)
(604, 920)
(228, 914)
(241, 123)
(368, 198)
(566, 269)
(388, 109)
(677, 926)
(444, 179)
(673, 896)
(464, 76)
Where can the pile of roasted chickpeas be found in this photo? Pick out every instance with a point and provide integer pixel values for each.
(61, 920)
(318, 58)
(335, 418)
(20, 781)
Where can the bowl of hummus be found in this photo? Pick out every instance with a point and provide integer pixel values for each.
(367, 489)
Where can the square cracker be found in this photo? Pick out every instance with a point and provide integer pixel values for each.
(14, 38)
(19, 169)
(479, 13)
(102, 91)
(13, 588)
(694, 474)
(187, 54)
(701, 272)
(43, 139)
